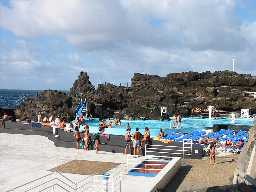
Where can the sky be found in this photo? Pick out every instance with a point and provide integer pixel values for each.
(44, 44)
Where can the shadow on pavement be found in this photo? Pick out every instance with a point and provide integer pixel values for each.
(232, 188)
(178, 178)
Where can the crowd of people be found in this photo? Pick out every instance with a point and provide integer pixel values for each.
(136, 141)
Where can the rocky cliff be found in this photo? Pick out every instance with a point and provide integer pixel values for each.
(186, 91)
(181, 92)
(50, 102)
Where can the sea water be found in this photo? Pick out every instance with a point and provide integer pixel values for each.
(12, 98)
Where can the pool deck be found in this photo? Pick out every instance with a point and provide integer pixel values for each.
(28, 157)
(25, 157)
(23, 161)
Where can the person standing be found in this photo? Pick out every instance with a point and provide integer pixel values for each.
(178, 120)
(97, 142)
(56, 127)
(5, 118)
(136, 142)
(128, 140)
(212, 153)
(86, 135)
(77, 137)
(39, 117)
(146, 137)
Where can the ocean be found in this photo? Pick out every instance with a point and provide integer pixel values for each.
(10, 99)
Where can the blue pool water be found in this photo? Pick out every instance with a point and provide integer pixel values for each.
(187, 125)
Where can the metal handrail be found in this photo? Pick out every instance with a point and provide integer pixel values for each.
(82, 180)
(72, 186)
(45, 176)
(30, 182)
(54, 186)
(84, 183)
(65, 177)
(49, 182)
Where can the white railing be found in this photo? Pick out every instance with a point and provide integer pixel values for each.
(187, 145)
(168, 151)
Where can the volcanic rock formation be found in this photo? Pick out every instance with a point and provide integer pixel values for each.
(181, 92)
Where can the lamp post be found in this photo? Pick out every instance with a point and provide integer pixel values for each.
(233, 62)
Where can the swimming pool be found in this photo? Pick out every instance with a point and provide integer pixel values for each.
(148, 168)
(187, 125)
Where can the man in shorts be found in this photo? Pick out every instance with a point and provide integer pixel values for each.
(136, 142)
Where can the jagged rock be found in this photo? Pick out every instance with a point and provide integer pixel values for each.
(178, 91)
(48, 103)
(82, 86)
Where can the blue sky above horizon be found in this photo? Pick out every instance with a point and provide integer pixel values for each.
(45, 44)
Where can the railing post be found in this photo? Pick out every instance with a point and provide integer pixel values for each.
(120, 183)
(145, 151)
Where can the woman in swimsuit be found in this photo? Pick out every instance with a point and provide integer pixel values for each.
(97, 142)
(77, 137)
(212, 153)
(86, 139)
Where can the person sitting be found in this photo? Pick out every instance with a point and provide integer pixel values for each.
(68, 127)
(204, 141)
(45, 120)
(102, 126)
(62, 123)
(228, 143)
(110, 124)
(240, 144)
(161, 133)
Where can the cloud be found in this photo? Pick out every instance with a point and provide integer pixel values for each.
(113, 39)
(101, 24)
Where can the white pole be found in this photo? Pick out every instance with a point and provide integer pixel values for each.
(234, 61)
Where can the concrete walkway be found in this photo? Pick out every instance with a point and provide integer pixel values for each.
(26, 157)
